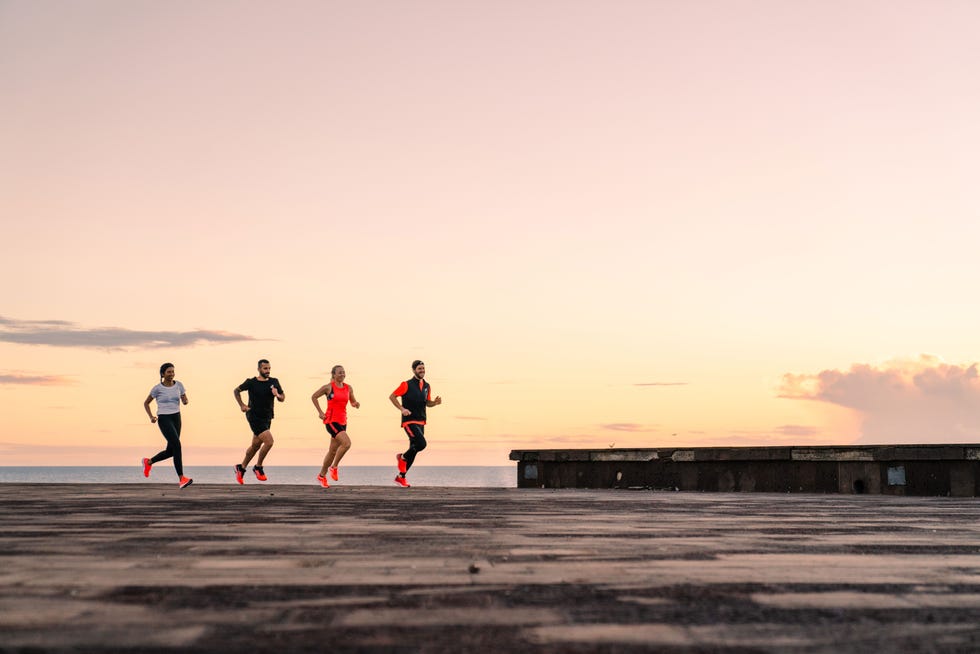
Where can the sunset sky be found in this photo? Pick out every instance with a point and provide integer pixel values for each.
(633, 223)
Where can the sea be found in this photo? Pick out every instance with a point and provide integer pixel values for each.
(464, 476)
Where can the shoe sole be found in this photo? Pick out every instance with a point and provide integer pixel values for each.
(189, 482)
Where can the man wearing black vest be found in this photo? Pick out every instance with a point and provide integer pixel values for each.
(416, 395)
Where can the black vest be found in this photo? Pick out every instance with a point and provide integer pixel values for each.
(414, 400)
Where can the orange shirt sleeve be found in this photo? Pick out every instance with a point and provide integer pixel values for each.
(401, 390)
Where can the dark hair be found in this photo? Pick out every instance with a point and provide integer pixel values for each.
(333, 370)
(164, 367)
(417, 363)
(261, 361)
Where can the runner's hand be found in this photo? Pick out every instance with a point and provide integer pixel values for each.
(153, 419)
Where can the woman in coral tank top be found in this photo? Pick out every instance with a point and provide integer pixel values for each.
(338, 394)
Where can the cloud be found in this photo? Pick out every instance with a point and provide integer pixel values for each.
(921, 400)
(60, 333)
(542, 441)
(35, 380)
(586, 440)
(53, 323)
(796, 430)
(661, 384)
(627, 426)
(780, 435)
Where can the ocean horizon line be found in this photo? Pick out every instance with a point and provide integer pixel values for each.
(222, 465)
(463, 476)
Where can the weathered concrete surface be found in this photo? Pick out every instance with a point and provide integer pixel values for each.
(287, 568)
(874, 469)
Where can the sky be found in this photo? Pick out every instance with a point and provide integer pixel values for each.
(600, 224)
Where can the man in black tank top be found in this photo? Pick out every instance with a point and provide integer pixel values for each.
(416, 396)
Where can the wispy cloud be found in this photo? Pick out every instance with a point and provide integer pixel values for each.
(60, 333)
(35, 380)
(628, 426)
(661, 384)
(587, 440)
(779, 435)
(903, 401)
(542, 440)
(52, 323)
(796, 430)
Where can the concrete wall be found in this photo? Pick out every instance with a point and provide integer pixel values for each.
(878, 469)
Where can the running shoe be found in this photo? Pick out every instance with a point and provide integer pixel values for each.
(259, 473)
(402, 463)
(323, 481)
(401, 481)
(239, 473)
(333, 472)
(147, 464)
(185, 482)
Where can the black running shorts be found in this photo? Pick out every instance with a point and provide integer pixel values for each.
(257, 424)
(334, 428)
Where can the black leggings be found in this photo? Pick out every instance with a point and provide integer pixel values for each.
(170, 427)
(416, 443)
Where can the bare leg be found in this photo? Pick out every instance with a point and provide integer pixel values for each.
(343, 444)
(328, 459)
(252, 449)
(267, 442)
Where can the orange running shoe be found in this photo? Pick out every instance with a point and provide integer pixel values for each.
(185, 482)
(402, 463)
(333, 472)
(323, 481)
(147, 464)
(259, 473)
(239, 473)
(401, 481)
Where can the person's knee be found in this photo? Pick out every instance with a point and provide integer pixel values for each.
(268, 439)
(420, 445)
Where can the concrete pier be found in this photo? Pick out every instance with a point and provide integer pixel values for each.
(148, 568)
(875, 469)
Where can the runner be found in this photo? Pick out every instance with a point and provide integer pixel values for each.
(169, 393)
(416, 396)
(335, 420)
(262, 391)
